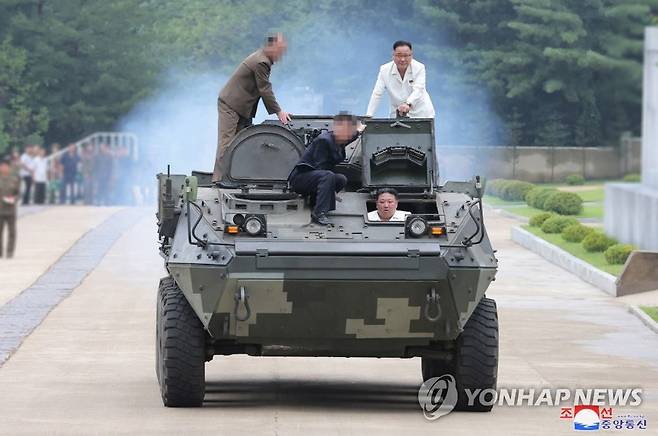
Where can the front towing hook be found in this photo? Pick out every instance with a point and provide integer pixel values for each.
(432, 299)
(242, 297)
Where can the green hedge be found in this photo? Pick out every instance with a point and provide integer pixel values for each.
(516, 190)
(557, 223)
(510, 190)
(618, 253)
(537, 197)
(538, 220)
(494, 186)
(564, 203)
(576, 232)
(531, 196)
(574, 179)
(597, 241)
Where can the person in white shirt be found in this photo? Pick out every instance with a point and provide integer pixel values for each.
(404, 80)
(387, 207)
(40, 176)
(27, 172)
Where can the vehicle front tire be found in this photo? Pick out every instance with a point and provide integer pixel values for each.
(180, 348)
(475, 361)
(476, 358)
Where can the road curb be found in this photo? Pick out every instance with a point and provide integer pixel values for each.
(642, 316)
(586, 272)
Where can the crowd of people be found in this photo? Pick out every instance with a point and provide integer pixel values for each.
(92, 175)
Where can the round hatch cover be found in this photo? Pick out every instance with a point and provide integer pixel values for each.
(261, 154)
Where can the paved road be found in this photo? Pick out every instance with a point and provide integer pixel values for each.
(45, 233)
(89, 367)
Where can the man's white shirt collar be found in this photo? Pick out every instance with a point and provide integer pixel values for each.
(399, 215)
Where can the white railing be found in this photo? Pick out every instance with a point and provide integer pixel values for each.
(113, 139)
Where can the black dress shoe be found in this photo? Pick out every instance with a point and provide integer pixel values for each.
(320, 219)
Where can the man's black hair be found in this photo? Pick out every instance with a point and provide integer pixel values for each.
(6, 159)
(391, 191)
(272, 39)
(401, 43)
(344, 116)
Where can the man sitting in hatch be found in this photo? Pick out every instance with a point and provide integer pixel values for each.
(387, 205)
(314, 173)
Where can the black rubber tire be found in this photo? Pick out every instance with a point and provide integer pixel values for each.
(435, 367)
(180, 348)
(476, 355)
(475, 361)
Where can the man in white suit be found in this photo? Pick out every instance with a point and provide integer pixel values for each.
(404, 79)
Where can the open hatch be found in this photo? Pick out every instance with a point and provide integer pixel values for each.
(398, 154)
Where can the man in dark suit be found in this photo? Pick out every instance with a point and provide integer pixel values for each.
(239, 98)
(314, 173)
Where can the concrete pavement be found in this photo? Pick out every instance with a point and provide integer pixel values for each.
(43, 235)
(89, 367)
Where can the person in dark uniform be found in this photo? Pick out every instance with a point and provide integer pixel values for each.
(9, 193)
(314, 173)
(239, 98)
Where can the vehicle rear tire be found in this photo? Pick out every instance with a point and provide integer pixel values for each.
(475, 360)
(180, 348)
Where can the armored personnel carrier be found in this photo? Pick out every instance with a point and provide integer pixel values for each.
(249, 273)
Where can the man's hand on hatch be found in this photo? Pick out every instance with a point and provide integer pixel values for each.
(404, 109)
(284, 117)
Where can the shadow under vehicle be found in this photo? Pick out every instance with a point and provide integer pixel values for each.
(249, 273)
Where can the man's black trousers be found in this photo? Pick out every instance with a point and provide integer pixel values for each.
(323, 184)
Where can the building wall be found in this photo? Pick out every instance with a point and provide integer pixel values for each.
(540, 164)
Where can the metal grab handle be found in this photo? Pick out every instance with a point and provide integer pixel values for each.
(241, 296)
(432, 299)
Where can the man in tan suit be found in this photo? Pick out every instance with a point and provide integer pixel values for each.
(239, 98)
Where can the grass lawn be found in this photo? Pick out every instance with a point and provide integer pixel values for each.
(576, 249)
(592, 195)
(651, 311)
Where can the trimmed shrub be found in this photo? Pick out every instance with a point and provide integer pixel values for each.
(494, 186)
(538, 220)
(541, 197)
(515, 190)
(597, 241)
(558, 223)
(633, 178)
(532, 194)
(564, 203)
(575, 179)
(576, 232)
(618, 253)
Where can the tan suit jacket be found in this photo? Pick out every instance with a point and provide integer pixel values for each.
(249, 83)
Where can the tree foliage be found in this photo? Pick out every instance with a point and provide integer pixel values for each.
(552, 72)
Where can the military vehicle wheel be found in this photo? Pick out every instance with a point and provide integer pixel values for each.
(180, 344)
(476, 358)
(475, 361)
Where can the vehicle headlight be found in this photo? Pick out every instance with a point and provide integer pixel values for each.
(417, 227)
(253, 225)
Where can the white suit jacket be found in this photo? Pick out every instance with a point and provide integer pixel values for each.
(411, 90)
